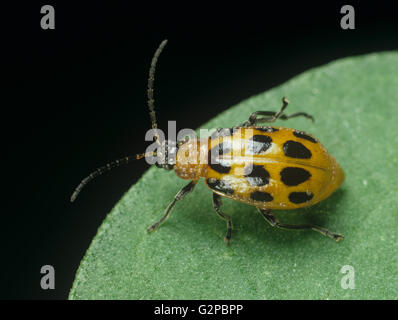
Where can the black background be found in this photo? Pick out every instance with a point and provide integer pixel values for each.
(75, 99)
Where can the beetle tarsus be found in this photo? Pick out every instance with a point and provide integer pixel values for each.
(273, 221)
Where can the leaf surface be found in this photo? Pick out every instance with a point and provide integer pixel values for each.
(355, 104)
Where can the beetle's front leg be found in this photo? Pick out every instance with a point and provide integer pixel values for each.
(179, 196)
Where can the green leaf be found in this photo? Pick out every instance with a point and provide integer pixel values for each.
(355, 104)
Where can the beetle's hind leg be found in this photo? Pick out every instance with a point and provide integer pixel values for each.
(272, 116)
(217, 206)
(273, 221)
(179, 196)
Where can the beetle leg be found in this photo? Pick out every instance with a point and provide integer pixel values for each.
(217, 206)
(272, 116)
(273, 221)
(180, 195)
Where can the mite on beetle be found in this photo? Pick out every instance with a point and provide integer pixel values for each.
(264, 166)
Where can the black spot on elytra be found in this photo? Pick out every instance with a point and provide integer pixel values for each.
(219, 167)
(213, 157)
(258, 143)
(261, 196)
(296, 149)
(220, 185)
(293, 176)
(300, 197)
(256, 175)
(267, 129)
(303, 135)
(222, 148)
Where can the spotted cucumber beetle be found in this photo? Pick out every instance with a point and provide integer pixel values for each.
(265, 166)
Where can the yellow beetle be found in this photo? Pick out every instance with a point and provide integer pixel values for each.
(264, 166)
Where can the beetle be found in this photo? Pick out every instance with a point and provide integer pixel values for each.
(269, 167)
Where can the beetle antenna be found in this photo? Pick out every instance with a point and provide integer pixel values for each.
(105, 168)
(151, 79)
(127, 160)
